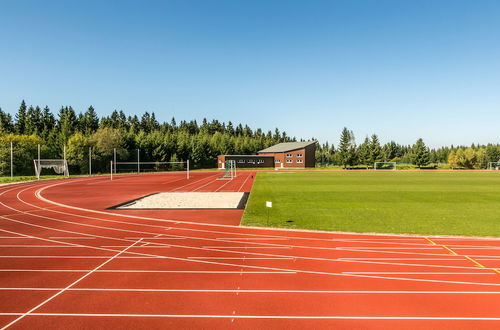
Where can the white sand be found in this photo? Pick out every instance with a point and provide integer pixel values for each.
(187, 200)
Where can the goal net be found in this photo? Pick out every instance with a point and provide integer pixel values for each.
(150, 167)
(494, 166)
(59, 166)
(229, 170)
(384, 166)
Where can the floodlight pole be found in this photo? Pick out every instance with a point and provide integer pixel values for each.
(187, 169)
(138, 164)
(114, 159)
(111, 170)
(11, 162)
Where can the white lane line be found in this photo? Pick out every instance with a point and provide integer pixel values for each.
(160, 238)
(243, 184)
(421, 273)
(37, 246)
(246, 247)
(451, 258)
(147, 271)
(269, 317)
(135, 247)
(254, 238)
(69, 286)
(388, 248)
(243, 258)
(255, 291)
(79, 257)
(55, 237)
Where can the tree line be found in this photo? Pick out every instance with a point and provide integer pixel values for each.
(167, 141)
(200, 143)
(348, 154)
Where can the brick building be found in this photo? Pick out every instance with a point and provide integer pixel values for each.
(281, 155)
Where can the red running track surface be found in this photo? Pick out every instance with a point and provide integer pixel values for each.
(68, 261)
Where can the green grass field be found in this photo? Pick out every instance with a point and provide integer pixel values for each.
(444, 203)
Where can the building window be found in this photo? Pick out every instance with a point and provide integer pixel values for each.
(241, 161)
(277, 161)
(288, 161)
(299, 161)
(289, 155)
(299, 155)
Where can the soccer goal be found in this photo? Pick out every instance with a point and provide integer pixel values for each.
(59, 166)
(229, 170)
(494, 166)
(150, 167)
(384, 166)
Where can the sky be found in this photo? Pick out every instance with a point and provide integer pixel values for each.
(400, 69)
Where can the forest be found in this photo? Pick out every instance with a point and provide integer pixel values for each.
(85, 132)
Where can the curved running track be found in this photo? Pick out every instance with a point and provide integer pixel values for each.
(68, 261)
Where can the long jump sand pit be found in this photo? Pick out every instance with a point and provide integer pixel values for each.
(188, 200)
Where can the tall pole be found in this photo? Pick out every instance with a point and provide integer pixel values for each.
(114, 159)
(138, 164)
(188, 169)
(111, 170)
(90, 160)
(11, 162)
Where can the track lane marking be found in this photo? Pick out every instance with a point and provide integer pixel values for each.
(67, 287)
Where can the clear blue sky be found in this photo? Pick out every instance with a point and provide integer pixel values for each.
(401, 69)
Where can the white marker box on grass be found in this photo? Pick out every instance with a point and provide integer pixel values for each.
(269, 204)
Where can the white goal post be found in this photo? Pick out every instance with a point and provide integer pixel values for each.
(59, 166)
(384, 166)
(229, 170)
(149, 167)
(494, 166)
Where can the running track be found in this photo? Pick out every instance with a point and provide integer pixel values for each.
(68, 261)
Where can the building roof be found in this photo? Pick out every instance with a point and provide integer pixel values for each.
(287, 146)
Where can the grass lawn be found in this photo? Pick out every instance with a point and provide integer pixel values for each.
(445, 203)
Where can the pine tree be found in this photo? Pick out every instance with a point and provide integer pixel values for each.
(91, 121)
(420, 154)
(347, 148)
(375, 150)
(20, 125)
